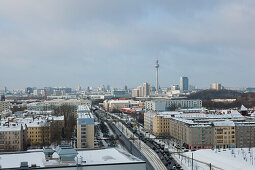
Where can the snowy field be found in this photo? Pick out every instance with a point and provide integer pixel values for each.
(227, 159)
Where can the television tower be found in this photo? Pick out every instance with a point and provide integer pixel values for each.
(157, 66)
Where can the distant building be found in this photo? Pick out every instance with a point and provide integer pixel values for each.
(120, 94)
(50, 104)
(125, 88)
(117, 105)
(216, 86)
(175, 87)
(184, 84)
(141, 91)
(79, 88)
(135, 93)
(85, 127)
(167, 105)
(250, 89)
(4, 105)
(2, 98)
(29, 90)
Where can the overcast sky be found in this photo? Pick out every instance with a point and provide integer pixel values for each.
(116, 42)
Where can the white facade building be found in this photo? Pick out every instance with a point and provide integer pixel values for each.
(166, 105)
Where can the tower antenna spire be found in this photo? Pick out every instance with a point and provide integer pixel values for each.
(157, 66)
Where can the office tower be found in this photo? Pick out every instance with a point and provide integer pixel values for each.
(184, 84)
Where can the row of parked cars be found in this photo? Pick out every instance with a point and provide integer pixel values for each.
(160, 149)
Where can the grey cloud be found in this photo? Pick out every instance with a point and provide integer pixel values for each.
(93, 42)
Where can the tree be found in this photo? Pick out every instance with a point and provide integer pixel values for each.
(56, 131)
(68, 111)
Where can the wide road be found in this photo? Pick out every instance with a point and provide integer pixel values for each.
(150, 154)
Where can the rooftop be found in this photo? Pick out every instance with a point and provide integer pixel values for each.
(92, 157)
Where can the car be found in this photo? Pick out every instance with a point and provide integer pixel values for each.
(178, 166)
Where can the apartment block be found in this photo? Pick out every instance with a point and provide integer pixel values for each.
(203, 131)
(85, 127)
(161, 125)
(38, 133)
(148, 120)
(12, 137)
(224, 134)
(245, 134)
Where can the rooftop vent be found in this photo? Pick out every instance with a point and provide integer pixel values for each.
(48, 152)
(66, 153)
(23, 165)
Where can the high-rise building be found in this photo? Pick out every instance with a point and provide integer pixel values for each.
(85, 127)
(79, 88)
(125, 88)
(135, 93)
(2, 98)
(146, 89)
(157, 85)
(141, 91)
(184, 84)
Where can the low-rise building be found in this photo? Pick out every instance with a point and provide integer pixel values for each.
(117, 105)
(66, 158)
(167, 105)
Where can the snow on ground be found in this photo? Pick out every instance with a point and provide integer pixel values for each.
(228, 159)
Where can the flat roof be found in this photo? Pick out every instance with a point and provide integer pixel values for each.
(92, 157)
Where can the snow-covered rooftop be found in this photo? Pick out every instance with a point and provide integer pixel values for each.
(11, 127)
(243, 108)
(224, 123)
(92, 157)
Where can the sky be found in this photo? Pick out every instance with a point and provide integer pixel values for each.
(91, 43)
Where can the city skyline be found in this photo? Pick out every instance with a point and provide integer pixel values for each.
(205, 41)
